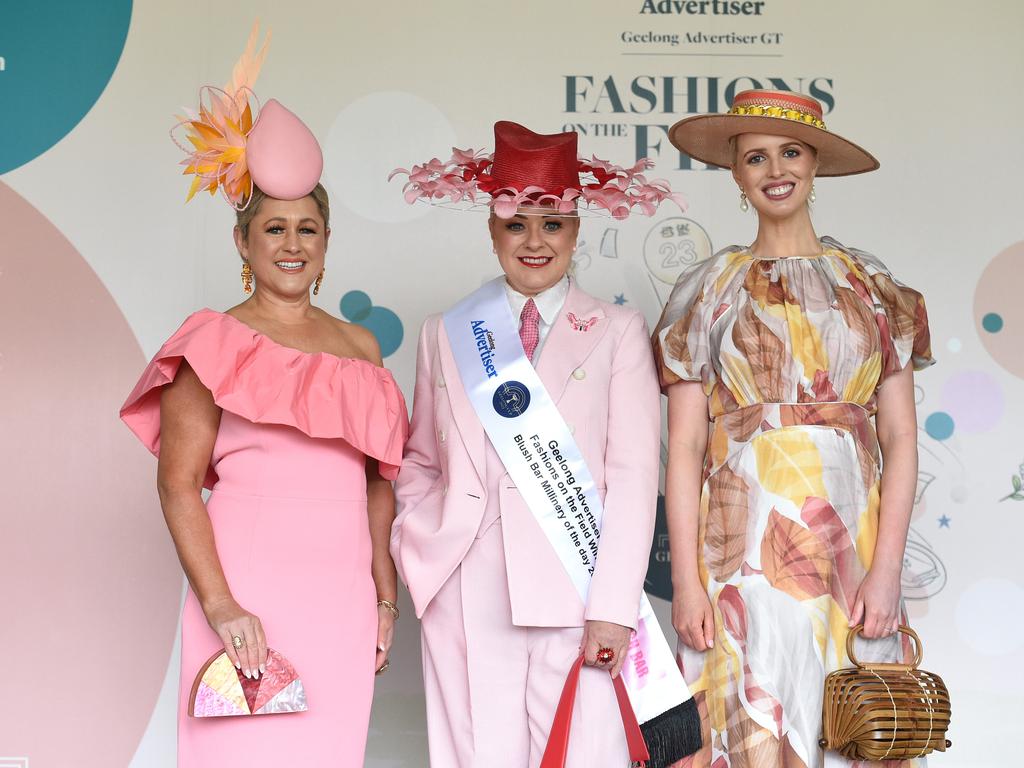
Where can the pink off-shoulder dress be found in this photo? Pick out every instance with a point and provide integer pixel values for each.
(288, 507)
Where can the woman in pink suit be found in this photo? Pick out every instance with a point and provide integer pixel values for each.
(503, 617)
(287, 416)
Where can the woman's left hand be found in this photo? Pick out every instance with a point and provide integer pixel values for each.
(385, 636)
(604, 634)
(877, 605)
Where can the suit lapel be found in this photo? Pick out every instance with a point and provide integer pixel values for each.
(567, 347)
(470, 428)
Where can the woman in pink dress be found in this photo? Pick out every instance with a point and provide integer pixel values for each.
(287, 416)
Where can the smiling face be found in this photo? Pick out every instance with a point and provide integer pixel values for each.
(534, 250)
(775, 172)
(285, 244)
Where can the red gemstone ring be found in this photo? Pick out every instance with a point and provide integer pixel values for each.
(605, 656)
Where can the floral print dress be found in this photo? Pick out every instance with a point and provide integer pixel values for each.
(791, 353)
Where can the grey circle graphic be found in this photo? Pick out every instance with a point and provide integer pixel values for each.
(674, 244)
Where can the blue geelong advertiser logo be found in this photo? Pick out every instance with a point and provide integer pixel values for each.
(511, 399)
(485, 347)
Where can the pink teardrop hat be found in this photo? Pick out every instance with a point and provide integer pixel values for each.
(284, 157)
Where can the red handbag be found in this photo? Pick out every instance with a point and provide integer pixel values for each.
(558, 740)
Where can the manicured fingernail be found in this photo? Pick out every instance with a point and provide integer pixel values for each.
(237, 665)
(263, 669)
(247, 674)
(255, 674)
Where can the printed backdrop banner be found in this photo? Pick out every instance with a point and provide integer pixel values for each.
(100, 260)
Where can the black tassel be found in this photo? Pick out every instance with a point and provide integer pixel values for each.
(672, 735)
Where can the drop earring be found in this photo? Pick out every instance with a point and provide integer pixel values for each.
(246, 277)
(812, 197)
(744, 205)
(319, 280)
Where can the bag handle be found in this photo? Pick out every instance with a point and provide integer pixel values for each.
(854, 631)
(558, 741)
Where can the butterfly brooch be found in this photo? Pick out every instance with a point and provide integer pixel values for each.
(581, 325)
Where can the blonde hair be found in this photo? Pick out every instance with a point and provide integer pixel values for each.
(244, 218)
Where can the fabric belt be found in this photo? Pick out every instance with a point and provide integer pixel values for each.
(731, 431)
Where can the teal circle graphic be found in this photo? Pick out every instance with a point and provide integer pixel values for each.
(56, 57)
(385, 325)
(356, 306)
(992, 322)
(939, 425)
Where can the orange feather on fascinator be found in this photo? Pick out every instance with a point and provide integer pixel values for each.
(215, 138)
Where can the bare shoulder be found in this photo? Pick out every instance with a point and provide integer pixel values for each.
(242, 312)
(360, 339)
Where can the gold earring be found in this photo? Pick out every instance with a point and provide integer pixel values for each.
(744, 205)
(812, 197)
(246, 277)
(319, 280)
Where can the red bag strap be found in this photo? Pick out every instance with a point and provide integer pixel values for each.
(558, 741)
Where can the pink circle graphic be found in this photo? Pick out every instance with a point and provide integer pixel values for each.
(975, 401)
(998, 310)
(91, 587)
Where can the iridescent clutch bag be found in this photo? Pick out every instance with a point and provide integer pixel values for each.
(221, 690)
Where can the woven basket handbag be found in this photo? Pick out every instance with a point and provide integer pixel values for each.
(884, 711)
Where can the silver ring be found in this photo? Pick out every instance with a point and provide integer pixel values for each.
(237, 641)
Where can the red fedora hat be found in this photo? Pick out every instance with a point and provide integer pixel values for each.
(535, 173)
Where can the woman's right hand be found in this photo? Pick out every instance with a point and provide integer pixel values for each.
(693, 617)
(229, 620)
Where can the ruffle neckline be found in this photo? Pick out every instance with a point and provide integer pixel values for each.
(255, 377)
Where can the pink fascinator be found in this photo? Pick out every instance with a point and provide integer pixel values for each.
(233, 144)
(536, 170)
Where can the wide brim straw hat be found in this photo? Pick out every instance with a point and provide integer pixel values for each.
(778, 113)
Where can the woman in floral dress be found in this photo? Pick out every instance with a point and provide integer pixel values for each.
(781, 536)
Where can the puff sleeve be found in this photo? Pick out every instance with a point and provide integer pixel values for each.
(682, 348)
(901, 317)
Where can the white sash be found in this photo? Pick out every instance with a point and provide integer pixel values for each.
(534, 443)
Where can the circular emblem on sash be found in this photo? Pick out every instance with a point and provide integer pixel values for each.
(511, 399)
